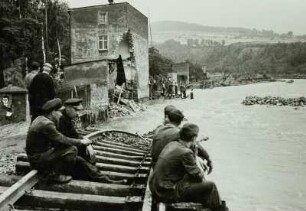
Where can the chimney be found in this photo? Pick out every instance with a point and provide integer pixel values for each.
(111, 1)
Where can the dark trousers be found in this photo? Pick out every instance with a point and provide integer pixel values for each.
(203, 192)
(84, 170)
(59, 160)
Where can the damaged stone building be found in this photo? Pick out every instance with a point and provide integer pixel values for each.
(107, 32)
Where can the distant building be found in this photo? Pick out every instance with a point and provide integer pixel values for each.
(107, 31)
(180, 73)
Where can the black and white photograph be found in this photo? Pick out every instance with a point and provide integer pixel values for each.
(152, 105)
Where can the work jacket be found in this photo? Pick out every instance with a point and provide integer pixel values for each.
(175, 169)
(163, 135)
(167, 133)
(66, 126)
(43, 136)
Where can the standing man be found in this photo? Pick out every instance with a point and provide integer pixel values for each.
(177, 178)
(41, 90)
(29, 77)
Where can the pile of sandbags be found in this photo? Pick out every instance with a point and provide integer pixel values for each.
(278, 101)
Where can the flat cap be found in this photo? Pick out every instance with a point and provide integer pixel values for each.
(75, 102)
(175, 115)
(188, 131)
(52, 105)
(169, 108)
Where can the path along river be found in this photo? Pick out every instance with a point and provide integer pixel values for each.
(259, 152)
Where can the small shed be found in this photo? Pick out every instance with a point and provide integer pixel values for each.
(13, 105)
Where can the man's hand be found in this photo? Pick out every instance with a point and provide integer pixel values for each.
(86, 141)
(210, 166)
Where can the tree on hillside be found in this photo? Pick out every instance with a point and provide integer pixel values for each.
(158, 64)
(21, 23)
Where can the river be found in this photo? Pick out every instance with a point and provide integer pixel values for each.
(258, 152)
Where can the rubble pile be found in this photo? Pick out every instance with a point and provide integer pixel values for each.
(277, 101)
(118, 110)
(130, 139)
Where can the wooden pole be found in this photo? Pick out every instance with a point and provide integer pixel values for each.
(119, 151)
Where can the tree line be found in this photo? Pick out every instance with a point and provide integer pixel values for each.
(241, 58)
(35, 30)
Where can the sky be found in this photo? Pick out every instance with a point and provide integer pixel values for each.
(280, 16)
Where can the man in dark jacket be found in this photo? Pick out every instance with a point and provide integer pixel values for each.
(41, 90)
(170, 132)
(48, 150)
(176, 176)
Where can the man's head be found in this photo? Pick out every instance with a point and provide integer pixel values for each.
(167, 109)
(72, 106)
(35, 66)
(189, 132)
(47, 67)
(51, 109)
(175, 116)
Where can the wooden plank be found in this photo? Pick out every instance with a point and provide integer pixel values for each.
(50, 199)
(116, 168)
(125, 148)
(74, 186)
(147, 201)
(119, 151)
(11, 195)
(120, 156)
(100, 159)
(22, 167)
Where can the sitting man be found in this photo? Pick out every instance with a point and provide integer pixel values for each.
(66, 125)
(176, 176)
(54, 154)
(170, 132)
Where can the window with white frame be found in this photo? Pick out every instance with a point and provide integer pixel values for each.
(103, 42)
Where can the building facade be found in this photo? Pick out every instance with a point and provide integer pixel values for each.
(180, 73)
(107, 31)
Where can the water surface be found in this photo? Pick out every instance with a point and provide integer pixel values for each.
(258, 152)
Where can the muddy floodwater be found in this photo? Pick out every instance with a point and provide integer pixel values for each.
(258, 152)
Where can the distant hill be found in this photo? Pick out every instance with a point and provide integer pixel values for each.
(167, 26)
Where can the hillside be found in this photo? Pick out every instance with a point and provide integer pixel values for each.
(275, 59)
(186, 32)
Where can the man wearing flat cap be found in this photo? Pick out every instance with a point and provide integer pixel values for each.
(170, 132)
(66, 124)
(177, 177)
(54, 154)
(166, 133)
(41, 90)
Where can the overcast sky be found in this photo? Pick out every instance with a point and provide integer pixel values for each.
(279, 15)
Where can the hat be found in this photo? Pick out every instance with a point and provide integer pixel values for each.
(168, 108)
(48, 65)
(35, 65)
(188, 131)
(74, 102)
(175, 115)
(52, 105)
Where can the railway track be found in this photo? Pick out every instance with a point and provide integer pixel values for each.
(120, 155)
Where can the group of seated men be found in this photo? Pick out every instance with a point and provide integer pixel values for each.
(179, 163)
(54, 147)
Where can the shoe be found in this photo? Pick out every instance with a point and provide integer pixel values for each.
(60, 178)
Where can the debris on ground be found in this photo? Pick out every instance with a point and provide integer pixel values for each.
(7, 162)
(277, 101)
(126, 138)
(129, 107)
